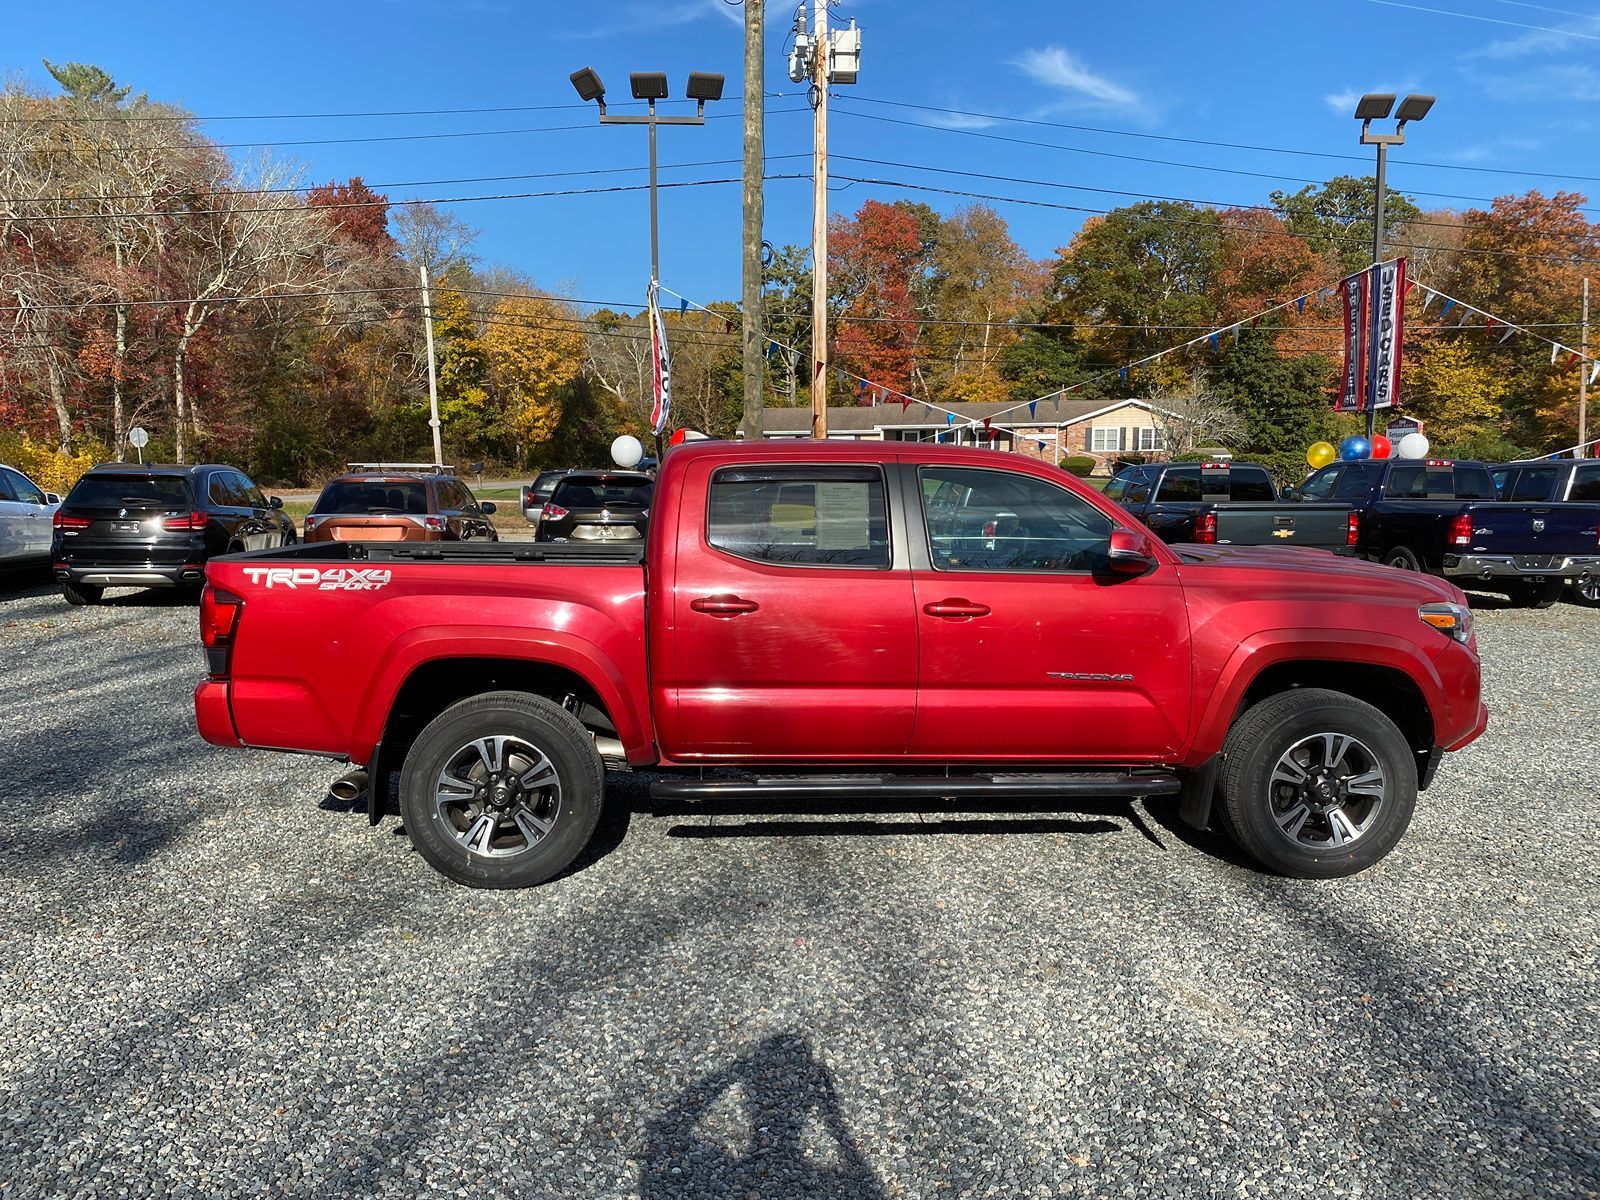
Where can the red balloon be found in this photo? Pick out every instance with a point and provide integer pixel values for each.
(1380, 446)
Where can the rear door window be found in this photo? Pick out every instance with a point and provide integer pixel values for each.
(1355, 482)
(1533, 484)
(1586, 484)
(1180, 485)
(130, 491)
(8, 485)
(800, 516)
(1321, 485)
(224, 491)
(249, 494)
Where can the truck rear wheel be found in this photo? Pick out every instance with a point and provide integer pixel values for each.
(1536, 595)
(1402, 558)
(1317, 784)
(502, 790)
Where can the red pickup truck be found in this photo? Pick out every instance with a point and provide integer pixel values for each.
(849, 620)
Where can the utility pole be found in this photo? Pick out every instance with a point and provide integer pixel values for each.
(433, 376)
(754, 168)
(821, 58)
(1583, 379)
(819, 229)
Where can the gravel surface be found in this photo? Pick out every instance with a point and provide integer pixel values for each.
(214, 982)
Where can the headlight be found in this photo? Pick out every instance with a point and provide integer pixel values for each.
(1448, 618)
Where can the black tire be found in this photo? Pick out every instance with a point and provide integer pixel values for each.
(1339, 833)
(1536, 595)
(504, 851)
(81, 593)
(1402, 558)
(1587, 594)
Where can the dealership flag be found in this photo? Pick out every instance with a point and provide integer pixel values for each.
(1385, 328)
(1353, 383)
(660, 368)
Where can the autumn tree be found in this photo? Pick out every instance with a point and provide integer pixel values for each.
(534, 350)
(874, 265)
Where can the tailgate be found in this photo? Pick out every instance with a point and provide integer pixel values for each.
(1538, 535)
(1321, 525)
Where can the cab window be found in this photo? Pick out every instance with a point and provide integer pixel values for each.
(800, 516)
(1533, 484)
(1586, 484)
(1003, 521)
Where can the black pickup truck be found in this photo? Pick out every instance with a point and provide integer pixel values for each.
(1442, 517)
(1554, 481)
(1227, 504)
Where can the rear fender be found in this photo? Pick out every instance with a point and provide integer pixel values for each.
(422, 647)
(1269, 648)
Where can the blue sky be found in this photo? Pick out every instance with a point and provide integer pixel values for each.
(1517, 93)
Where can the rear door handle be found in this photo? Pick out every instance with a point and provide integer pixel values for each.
(955, 608)
(723, 606)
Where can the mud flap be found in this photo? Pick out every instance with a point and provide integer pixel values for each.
(1199, 787)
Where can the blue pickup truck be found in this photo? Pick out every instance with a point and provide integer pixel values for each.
(1444, 517)
(1554, 481)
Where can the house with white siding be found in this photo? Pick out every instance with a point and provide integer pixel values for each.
(1054, 430)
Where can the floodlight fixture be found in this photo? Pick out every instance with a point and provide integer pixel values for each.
(1374, 106)
(649, 85)
(1413, 108)
(703, 85)
(588, 85)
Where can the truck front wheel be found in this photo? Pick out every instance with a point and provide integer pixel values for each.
(1317, 784)
(502, 790)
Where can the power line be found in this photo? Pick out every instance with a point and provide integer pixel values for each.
(1163, 137)
(395, 137)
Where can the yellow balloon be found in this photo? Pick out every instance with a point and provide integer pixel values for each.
(1321, 454)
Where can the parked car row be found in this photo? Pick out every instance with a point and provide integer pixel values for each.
(1527, 529)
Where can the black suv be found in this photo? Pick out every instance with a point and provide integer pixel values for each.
(129, 525)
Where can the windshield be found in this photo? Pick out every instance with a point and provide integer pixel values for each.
(373, 497)
(601, 491)
(130, 491)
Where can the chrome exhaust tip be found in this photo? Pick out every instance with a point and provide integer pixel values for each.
(349, 787)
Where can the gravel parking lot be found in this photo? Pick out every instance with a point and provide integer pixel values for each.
(216, 982)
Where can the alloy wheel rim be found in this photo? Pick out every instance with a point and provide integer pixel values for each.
(1326, 791)
(499, 796)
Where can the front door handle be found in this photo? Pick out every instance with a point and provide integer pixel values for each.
(723, 606)
(955, 608)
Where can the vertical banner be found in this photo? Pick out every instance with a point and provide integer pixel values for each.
(660, 368)
(1353, 386)
(1386, 302)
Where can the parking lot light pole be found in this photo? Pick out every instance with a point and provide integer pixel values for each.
(650, 86)
(1375, 106)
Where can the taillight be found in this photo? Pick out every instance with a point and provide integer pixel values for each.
(310, 522)
(1205, 529)
(62, 521)
(435, 523)
(1461, 530)
(1352, 528)
(187, 523)
(991, 528)
(552, 512)
(219, 617)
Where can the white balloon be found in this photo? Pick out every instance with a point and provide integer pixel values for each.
(626, 451)
(1413, 445)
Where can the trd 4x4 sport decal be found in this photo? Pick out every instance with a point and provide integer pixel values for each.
(333, 579)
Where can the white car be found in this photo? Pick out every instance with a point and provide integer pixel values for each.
(26, 513)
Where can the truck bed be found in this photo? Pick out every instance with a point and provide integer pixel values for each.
(471, 553)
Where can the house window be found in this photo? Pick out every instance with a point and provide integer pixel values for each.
(1103, 440)
(1151, 438)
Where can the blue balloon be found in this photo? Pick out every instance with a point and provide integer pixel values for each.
(1355, 446)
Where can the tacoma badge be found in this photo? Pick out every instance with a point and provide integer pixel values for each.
(1089, 677)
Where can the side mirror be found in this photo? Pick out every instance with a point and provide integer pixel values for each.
(488, 507)
(1289, 493)
(1130, 552)
(274, 501)
(51, 498)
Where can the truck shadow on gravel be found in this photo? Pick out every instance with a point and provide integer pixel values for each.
(788, 1138)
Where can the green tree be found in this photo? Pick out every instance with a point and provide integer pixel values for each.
(1283, 401)
(1336, 218)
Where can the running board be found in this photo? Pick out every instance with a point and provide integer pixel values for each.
(931, 787)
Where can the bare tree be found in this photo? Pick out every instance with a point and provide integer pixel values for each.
(618, 359)
(1193, 416)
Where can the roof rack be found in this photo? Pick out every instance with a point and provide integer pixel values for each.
(412, 468)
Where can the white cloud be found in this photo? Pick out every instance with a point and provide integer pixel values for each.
(1056, 68)
(1577, 82)
(960, 120)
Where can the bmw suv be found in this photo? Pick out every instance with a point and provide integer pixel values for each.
(128, 525)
